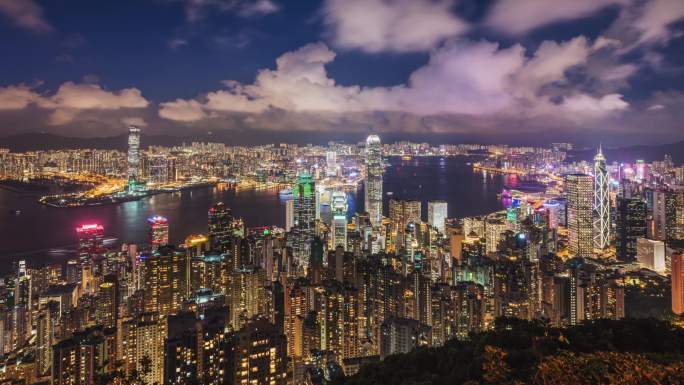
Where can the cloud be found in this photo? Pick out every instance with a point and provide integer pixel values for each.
(134, 121)
(478, 79)
(516, 17)
(646, 24)
(70, 100)
(176, 43)
(396, 25)
(196, 10)
(25, 13)
(182, 110)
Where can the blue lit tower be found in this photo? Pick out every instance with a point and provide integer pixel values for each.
(304, 229)
(373, 183)
(133, 154)
(601, 202)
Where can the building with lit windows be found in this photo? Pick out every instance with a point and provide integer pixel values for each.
(304, 226)
(373, 181)
(90, 241)
(630, 221)
(437, 214)
(339, 222)
(260, 354)
(159, 230)
(601, 202)
(678, 283)
(579, 189)
(133, 154)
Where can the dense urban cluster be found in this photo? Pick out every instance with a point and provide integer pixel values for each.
(333, 290)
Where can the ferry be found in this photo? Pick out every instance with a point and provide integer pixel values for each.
(390, 193)
(285, 193)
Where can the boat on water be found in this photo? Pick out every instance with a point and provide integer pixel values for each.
(15, 212)
(406, 157)
(390, 193)
(285, 193)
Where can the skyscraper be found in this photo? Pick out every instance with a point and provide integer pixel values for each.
(437, 214)
(133, 154)
(373, 183)
(678, 283)
(304, 195)
(601, 202)
(339, 211)
(630, 225)
(159, 230)
(220, 231)
(289, 214)
(90, 240)
(579, 189)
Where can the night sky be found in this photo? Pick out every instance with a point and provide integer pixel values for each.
(612, 70)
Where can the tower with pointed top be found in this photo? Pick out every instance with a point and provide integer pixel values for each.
(601, 202)
(373, 181)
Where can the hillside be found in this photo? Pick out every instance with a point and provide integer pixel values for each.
(643, 351)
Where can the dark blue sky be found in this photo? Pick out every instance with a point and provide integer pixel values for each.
(500, 67)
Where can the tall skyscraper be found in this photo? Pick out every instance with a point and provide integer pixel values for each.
(289, 214)
(159, 230)
(678, 283)
(437, 214)
(133, 154)
(630, 222)
(220, 230)
(304, 230)
(373, 182)
(331, 163)
(579, 189)
(339, 211)
(601, 202)
(90, 240)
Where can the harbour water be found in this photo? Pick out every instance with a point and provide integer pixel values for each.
(42, 233)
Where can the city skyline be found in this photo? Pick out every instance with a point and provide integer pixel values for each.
(496, 69)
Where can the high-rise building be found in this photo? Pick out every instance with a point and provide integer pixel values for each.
(90, 241)
(133, 154)
(143, 340)
(437, 214)
(331, 163)
(373, 181)
(651, 254)
(260, 354)
(159, 230)
(601, 202)
(664, 215)
(83, 357)
(339, 211)
(304, 230)
(630, 222)
(220, 227)
(579, 189)
(163, 277)
(677, 269)
(289, 214)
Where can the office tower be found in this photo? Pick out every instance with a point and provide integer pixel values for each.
(401, 335)
(651, 254)
(23, 300)
(373, 181)
(143, 340)
(163, 277)
(107, 304)
(220, 227)
(339, 225)
(45, 333)
(133, 154)
(289, 214)
(338, 319)
(199, 348)
(159, 231)
(331, 163)
(601, 202)
(304, 230)
(83, 357)
(247, 295)
(437, 214)
(402, 213)
(630, 225)
(260, 354)
(90, 241)
(579, 190)
(677, 269)
(665, 215)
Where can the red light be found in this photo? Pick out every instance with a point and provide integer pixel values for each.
(89, 227)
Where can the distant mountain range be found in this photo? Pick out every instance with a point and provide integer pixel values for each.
(45, 141)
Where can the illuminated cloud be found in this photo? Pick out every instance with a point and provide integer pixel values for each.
(26, 14)
(519, 16)
(182, 110)
(71, 99)
(397, 25)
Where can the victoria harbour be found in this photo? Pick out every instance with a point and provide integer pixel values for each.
(452, 179)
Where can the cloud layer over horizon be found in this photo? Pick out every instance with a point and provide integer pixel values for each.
(490, 83)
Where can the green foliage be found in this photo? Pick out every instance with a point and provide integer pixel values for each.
(518, 351)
